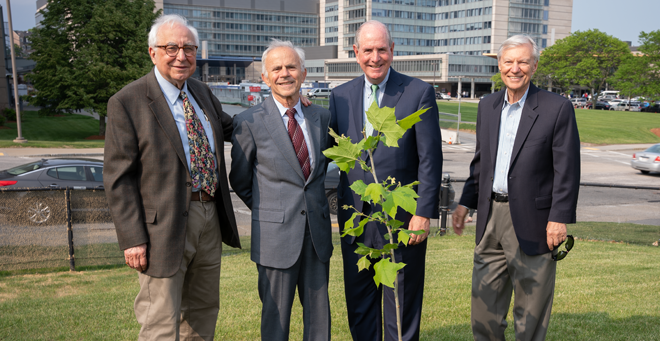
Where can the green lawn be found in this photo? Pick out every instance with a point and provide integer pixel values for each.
(595, 126)
(52, 132)
(605, 291)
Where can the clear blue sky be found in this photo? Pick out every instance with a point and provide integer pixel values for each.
(623, 19)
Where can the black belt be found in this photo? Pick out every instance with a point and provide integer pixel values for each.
(499, 197)
(201, 196)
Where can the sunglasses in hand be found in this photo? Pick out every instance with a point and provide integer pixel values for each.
(563, 253)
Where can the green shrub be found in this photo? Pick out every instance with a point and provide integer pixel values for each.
(2, 120)
(9, 114)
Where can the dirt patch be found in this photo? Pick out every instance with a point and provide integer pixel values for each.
(95, 137)
(656, 131)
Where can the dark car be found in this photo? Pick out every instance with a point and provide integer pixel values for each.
(600, 105)
(41, 207)
(331, 183)
(652, 108)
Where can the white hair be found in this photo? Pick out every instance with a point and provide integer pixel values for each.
(374, 23)
(519, 40)
(275, 43)
(171, 19)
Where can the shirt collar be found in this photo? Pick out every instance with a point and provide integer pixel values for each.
(521, 101)
(283, 109)
(170, 91)
(368, 85)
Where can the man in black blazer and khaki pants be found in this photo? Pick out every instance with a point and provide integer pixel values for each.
(524, 181)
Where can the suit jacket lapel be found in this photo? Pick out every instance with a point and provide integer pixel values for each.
(356, 99)
(280, 137)
(526, 121)
(393, 90)
(493, 124)
(314, 130)
(161, 110)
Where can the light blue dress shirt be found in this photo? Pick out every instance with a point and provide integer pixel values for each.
(303, 126)
(367, 93)
(175, 103)
(509, 122)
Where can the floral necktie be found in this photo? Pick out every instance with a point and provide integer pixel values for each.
(202, 162)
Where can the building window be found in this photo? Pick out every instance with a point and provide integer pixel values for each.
(546, 3)
(331, 18)
(488, 24)
(381, 13)
(544, 43)
(545, 15)
(331, 39)
(330, 29)
(486, 39)
(332, 8)
(545, 29)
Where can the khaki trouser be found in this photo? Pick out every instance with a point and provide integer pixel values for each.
(185, 306)
(500, 267)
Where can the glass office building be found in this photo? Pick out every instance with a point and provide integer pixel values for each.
(465, 27)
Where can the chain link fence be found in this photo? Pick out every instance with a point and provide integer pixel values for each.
(56, 227)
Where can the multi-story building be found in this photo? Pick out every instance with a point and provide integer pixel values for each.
(468, 27)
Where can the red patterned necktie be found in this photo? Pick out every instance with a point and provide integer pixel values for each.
(202, 162)
(298, 140)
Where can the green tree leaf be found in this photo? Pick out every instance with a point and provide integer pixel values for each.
(404, 197)
(384, 121)
(403, 237)
(407, 122)
(386, 272)
(375, 192)
(363, 263)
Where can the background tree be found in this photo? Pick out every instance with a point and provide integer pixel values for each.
(498, 82)
(87, 50)
(640, 74)
(587, 58)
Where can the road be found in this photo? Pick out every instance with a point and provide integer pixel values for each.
(601, 164)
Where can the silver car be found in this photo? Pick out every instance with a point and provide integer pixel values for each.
(648, 160)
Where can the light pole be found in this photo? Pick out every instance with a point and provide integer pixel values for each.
(458, 123)
(20, 138)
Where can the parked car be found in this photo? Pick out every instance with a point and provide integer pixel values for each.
(648, 160)
(652, 108)
(579, 102)
(319, 92)
(442, 95)
(628, 106)
(331, 184)
(599, 105)
(39, 207)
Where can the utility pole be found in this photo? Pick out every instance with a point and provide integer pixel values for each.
(20, 138)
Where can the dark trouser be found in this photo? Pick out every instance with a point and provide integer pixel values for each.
(277, 288)
(500, 268)
(363, 298)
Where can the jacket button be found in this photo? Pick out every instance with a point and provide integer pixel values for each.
(491, 178)
(185, 214)
(488, 199)
(302, 212)
(188, 184)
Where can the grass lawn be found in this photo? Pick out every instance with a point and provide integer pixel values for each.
(605, 291)
(52, 132)
(595, 126)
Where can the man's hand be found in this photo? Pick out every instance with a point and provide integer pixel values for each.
(458, 219)
(305, 101)
(418, 223)
(556, 233)
(136, 257)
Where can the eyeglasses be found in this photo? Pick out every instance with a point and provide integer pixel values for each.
(562, 254)
(173, 50)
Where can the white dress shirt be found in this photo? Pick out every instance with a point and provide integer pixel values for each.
(175, 103)
(509, 122)
(367, 94)
(303, 126)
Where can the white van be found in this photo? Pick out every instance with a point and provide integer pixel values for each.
(319, 92)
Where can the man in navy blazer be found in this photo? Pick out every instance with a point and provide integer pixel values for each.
(524, 182)
(418, 158)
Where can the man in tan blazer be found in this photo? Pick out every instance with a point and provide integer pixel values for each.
(167, 189)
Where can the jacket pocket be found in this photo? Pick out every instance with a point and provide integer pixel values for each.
(269, 216)
(534, 142)
(543, 202)
(149, 216)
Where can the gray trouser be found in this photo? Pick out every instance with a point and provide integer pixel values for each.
(500, 268)
(185, 306)
(277, 288)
